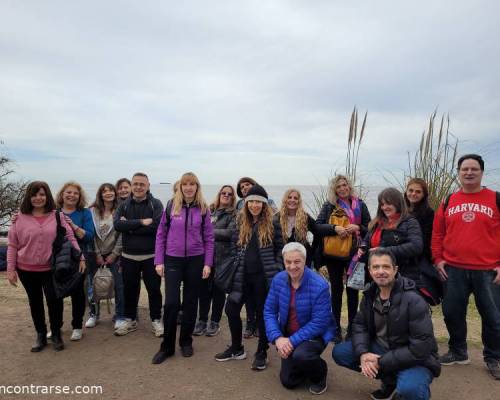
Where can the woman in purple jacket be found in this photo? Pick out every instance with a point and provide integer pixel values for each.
(184, 253)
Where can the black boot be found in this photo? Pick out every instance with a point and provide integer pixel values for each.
(57, 341)
(40, 342)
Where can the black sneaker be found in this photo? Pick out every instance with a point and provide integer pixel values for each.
(230, 354)
(260, 361)
(187, 351)
(318, 388)
(451, 358)
(493, 367)
(161, 356)
(386, 392)
(249, 331)
(200, 328)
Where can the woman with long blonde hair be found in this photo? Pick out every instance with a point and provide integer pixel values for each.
(257, 245)
(184, 254)
(296, 223)
(352, 217)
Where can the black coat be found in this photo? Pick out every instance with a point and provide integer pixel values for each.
(425, 219)
(324, 229)
(272, 260)
(138, 239)
(310, 248)
(405, 242)
(410, 333)
(223, 221)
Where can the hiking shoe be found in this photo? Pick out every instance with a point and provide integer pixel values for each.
(230, 354)
(157, 327)
(451, 358)
(161, 356)
(91, 322)
(213, 329)
(318, 388)
(118, 323)
(249, 330)
(127, 327)
(187, 351)
(260, 361)
(493, 367)
(200, 328)
(57, 341)
(386, 392)
(76, 335)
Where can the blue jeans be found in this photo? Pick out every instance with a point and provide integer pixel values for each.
(119, 302)
(411, 383)
(458, 288)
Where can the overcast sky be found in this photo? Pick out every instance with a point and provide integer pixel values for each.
(96, 90)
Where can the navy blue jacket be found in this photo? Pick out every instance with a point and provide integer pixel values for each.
(312, 304)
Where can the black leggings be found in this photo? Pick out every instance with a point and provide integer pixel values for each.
(210, 294)
(189, 271)
(36, 285)
(336, 271)
(255, 287)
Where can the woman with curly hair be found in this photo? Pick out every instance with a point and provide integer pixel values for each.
(256, 249)
(343, 203)
(72, 201)
(296, 223)
(184, 255)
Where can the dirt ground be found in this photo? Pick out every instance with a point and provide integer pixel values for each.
(122, 365)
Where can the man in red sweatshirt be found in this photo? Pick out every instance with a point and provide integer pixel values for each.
(466, 252)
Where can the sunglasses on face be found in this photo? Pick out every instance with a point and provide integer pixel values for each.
(229, 194)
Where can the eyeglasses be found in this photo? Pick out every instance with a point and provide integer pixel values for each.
(229, 194)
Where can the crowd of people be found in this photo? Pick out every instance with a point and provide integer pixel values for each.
(230, 254)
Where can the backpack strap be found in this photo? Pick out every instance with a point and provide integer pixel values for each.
(447, 200)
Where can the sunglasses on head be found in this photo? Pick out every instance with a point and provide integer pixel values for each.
(226, 194)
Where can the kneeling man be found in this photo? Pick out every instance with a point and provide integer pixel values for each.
(299, 320)
(392, 335)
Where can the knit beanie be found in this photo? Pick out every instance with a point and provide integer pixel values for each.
(258, 193)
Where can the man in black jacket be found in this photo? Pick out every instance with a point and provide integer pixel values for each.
(137, 218)
(392, 334)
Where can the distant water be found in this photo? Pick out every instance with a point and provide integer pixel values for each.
(275, 192)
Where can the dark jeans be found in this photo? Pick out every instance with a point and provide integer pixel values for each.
(94, 308)
(131, 273)
(187, 270)
(304, 363)
(255, 287)
(411, 383)
(210, 294)
(336, 271)
(458, 287)
(78, 303)
(36, 284)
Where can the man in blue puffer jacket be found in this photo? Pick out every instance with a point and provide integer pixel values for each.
(299, 320)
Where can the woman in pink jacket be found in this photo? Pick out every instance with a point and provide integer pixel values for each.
(28, 258)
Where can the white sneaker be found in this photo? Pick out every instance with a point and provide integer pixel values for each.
(91, 322)
(76, 335)
(49, 335)
(126, 327)
(119, 322)
(157, 327)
